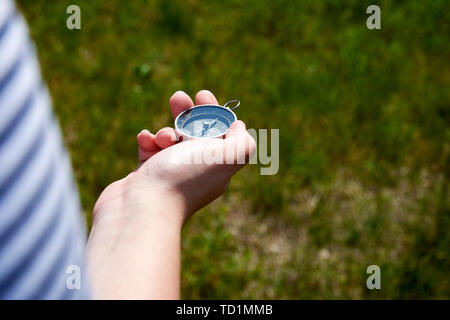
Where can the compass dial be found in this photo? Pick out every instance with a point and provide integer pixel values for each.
(205, 121)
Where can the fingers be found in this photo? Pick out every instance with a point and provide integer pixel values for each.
(179, 102)
(149, 144)
(146, 145)
(165, 138)
(205, 97)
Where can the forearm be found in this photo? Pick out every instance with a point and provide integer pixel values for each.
(134, 246)
(134, 251)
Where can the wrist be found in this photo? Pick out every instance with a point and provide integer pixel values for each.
(139, 201)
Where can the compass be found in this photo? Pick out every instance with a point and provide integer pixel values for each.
(206, 120)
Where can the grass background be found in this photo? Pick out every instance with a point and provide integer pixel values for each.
(364, 122)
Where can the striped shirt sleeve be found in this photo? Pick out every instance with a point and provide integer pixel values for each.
(42, 233)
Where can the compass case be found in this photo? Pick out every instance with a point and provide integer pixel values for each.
(193, 123)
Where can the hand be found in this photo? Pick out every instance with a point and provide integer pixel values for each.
(194, 184)
(191, 186)
(133, 248)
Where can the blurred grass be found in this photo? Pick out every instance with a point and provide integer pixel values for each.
(364, 122)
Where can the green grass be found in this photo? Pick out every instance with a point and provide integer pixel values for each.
(364, 122)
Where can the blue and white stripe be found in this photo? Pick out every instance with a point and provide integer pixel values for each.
(41, 230)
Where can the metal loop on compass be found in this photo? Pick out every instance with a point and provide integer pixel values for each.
(230, 102)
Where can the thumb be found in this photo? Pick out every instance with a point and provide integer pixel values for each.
(237, 128)
(239, 143)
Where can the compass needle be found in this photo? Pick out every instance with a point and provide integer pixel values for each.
(212, 124)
